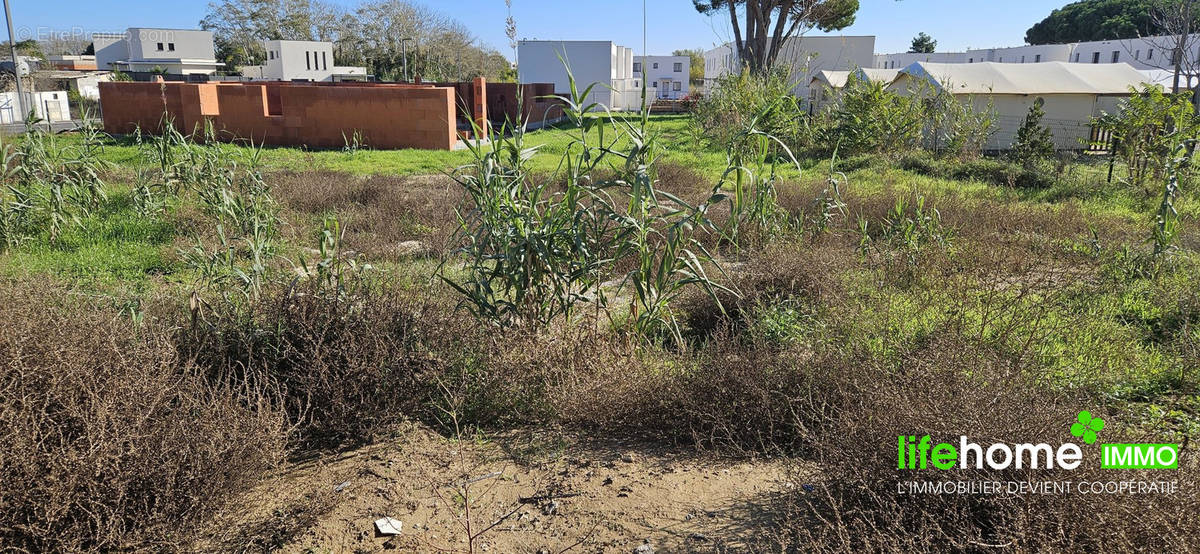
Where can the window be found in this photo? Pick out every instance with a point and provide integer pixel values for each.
(1150, 54)
(1095, 57)
(1037, 58)
(971, 60)
(637, 84)
(678, 86)
(1022, 59)
(160, 47)
(1137, 55)
(654, 84)
(637, 67)
(678, 68)
(171, 46)
(1001, 59)
(271, 55)
(308, 60)
(1116, 56)
(324, 61)
(655, 65)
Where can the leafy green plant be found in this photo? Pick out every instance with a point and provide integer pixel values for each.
(744, 101)
(1146, 130)
(532, 253)
(1166, 220)
(1034, 142)
(354, 143)
(955, 128)
(870, 119)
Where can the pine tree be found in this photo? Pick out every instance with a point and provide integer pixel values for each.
(1034, 141)
(923, 44)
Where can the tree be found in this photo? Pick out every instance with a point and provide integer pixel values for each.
(1177, 20)
(383, 35)
(1034, 141)
(697, 70)
(240, 26)
(770, 23)
(923, 44)
(1089, 20)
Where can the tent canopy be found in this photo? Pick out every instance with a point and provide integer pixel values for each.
(875, 75)
(1035, 78)
(831, 79)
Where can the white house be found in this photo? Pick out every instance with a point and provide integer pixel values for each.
(600, 62)
(665, 76)
(177, 51)
(302, 60)
(1072, 94)
(804, 57)
(49, 106)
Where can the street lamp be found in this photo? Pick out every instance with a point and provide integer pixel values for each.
(403, 52)
(12, 47)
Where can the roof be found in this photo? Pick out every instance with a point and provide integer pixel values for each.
(832, 79)
(885, 76)
(1030, 78)
(1162, 77)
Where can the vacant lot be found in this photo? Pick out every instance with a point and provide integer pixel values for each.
(587, 338)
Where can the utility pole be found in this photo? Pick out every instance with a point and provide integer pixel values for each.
(12, 48)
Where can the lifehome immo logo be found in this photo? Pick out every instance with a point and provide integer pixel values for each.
(919, 453)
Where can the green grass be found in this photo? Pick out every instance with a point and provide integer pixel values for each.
(113, 247)
(673, 131)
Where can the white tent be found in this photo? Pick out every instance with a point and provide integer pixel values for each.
(824, 89)
(826, 85)
(1071, 94)
(875, 75)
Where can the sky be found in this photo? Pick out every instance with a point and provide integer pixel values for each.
(672, 24)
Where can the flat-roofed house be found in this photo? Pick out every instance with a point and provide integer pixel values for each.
(141, 49)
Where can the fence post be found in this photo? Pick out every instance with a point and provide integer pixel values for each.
(1112, 157)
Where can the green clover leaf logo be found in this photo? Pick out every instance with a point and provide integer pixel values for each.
(1087, 427)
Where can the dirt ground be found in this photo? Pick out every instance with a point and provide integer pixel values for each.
(528, 492)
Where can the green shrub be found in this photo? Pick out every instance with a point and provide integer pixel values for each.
(1146, 130)
(870, 119)
(739, 102)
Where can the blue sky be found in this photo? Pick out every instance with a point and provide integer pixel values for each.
(674, 24)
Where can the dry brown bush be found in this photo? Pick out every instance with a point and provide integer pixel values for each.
(345, 367)
(947, 388)
(111, 440)
(377, 212)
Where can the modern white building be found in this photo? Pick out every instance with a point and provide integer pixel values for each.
(49, 106)
(1071, 94)
(666, 76)
(804, 57)
(905, 59)
(602, 63)
(176, 51)
(1146, 53)
(302, 60)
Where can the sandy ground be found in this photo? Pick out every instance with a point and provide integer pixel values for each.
(526, 492)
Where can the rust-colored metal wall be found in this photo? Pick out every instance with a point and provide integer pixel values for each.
(292, 114)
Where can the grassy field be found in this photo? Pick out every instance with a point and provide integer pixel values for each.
(200, 336)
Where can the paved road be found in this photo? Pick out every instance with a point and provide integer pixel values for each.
(57, 126)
